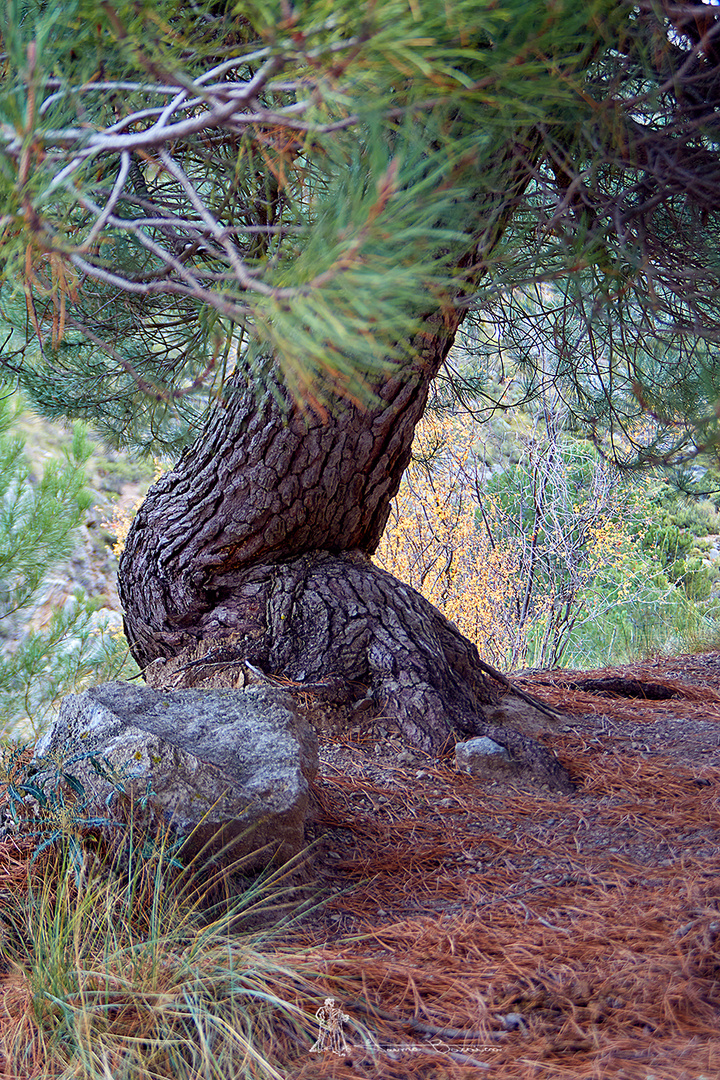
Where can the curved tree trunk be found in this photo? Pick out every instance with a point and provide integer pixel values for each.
(268, 480)
(257, 546)
(258, 542)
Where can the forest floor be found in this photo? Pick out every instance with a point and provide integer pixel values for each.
(478, 929)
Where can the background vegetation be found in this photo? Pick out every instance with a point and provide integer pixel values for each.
(543, 551)
(58, 631)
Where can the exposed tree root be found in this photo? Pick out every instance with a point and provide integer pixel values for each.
(339, 626)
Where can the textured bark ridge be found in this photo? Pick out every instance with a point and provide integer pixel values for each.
(269, 480)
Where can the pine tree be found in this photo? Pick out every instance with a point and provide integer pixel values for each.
(255, 232)
(44, 653)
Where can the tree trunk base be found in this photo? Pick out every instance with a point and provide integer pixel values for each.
(339, 627)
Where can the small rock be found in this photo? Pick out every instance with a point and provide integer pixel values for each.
(514, 1021)
(482, 757)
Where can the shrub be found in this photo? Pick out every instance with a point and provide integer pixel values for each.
(549, 559)
(44, 654)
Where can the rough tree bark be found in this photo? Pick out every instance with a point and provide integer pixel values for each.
(269, 480)
(260, 537)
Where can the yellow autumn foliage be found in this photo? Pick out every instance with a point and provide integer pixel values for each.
(123, 512)
(501, 584)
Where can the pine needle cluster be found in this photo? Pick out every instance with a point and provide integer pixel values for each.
(186, 190)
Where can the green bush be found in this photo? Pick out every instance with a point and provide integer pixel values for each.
(43, 654)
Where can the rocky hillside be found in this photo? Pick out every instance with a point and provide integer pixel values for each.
(117, 482)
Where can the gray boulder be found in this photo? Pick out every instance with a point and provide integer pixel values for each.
(221, 765)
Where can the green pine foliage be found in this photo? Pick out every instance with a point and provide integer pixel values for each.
(161, 225)
(44, 653)
(316, 224)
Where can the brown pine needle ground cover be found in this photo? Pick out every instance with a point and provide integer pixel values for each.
(510, 933)
(469, 929)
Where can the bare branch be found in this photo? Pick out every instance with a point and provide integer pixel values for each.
(216, 230)
(103, 218)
